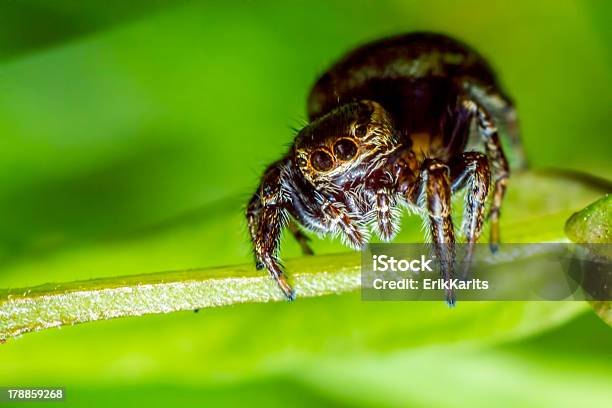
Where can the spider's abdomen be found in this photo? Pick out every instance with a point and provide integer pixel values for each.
(371, 71)
(415, 77)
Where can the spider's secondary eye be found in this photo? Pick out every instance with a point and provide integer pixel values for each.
(301, 162)
(321, 160)
(345, 149)
(361, 130)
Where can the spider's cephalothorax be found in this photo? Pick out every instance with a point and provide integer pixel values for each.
(400, 123)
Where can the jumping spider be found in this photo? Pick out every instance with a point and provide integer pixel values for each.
(397, 123)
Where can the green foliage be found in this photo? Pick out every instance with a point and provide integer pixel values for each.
(593, 224)
(132, 134)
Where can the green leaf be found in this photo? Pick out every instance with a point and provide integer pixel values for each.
(593, 224)
(130, 142)
(30, 25)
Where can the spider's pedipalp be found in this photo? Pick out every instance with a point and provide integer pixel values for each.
(342, 222)
(386, 214)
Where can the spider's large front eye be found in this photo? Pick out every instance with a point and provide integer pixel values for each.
(321, 161)
(345, 149)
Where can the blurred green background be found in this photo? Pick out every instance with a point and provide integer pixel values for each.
(132, 133)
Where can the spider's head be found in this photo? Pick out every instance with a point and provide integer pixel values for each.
(347, 142)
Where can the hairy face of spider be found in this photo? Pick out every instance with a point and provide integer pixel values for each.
(356, 135)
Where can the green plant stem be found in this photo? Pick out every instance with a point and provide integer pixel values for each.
(53, 305)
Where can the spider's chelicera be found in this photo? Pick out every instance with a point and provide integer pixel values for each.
(399, 123)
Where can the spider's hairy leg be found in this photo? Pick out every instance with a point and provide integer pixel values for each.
(271, 223)
(436, 188)
(253, 215)
(501, 108)
(471, 170)
(300, 237)
(500, 170)
(267, 216)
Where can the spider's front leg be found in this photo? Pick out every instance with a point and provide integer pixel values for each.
(471, 170)
(436, 193)
(267, 216)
